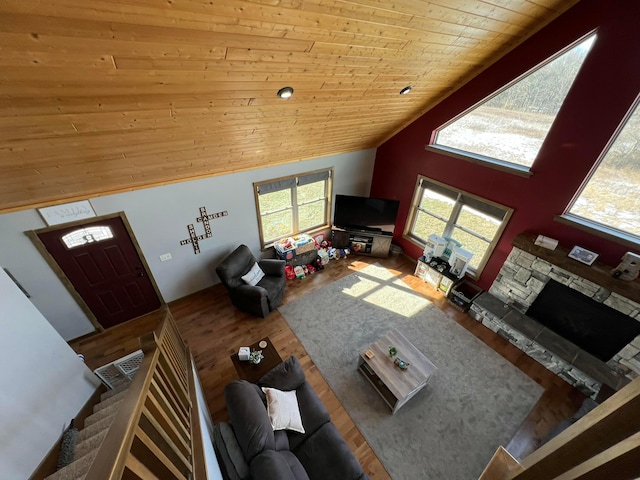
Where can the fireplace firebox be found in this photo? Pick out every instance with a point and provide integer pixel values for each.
(596, 328)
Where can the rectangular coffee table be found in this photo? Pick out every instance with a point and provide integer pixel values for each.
(394, 385)
(252, 373)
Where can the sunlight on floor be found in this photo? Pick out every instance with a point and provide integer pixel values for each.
(397, 300)
(363, 286)
(384, 290)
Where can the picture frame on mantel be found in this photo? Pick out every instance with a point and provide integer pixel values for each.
(583, 255)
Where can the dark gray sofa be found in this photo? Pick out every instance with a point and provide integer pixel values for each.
(248, 448)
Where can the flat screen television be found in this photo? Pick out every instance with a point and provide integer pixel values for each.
(365, 214)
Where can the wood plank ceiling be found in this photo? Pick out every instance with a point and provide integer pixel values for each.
(100, 96)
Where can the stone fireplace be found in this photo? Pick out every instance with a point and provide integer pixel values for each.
(522, 278)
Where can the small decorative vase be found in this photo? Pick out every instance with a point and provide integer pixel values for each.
(256, 357)
(392, 351)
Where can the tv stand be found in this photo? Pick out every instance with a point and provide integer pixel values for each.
(363, 243)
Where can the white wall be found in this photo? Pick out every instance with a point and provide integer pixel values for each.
(44, 383)
(206, 425)
(159, 218)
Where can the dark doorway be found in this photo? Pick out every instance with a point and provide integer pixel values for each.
(102, 264)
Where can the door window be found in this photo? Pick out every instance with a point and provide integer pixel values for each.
(86, 235)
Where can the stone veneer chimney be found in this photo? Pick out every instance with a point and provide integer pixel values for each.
(521, 278)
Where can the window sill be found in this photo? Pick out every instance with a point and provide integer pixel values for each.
(481, 160)
(471, 273)
(599, 230)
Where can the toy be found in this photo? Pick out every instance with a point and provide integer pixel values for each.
(288, 272)
(317, 263)
(324, 256)
(299, 271)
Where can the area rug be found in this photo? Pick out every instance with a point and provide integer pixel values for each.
(473, 403)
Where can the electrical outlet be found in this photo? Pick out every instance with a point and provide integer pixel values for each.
(165, 257)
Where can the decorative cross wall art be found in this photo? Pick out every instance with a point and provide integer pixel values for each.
(204, 219)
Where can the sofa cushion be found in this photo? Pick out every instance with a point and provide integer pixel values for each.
(275, 287)
(283, 465)
(283, 411)
(325, 455)
(229, 453)
(312, 411)
(286, 376)
(249, 418)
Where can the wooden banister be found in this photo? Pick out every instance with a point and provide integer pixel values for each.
(604, 444)
(152, 433)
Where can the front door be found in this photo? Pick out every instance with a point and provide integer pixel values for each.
(103, 265)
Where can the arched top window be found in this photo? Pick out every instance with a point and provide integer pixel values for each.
(86, 235)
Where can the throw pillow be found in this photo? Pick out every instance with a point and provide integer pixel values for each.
(283, 410)
(253, 276)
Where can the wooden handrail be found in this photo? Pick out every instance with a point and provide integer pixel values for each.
(603, 444)
(151, 434)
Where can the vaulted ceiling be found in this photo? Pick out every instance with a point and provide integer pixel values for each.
(100, 96)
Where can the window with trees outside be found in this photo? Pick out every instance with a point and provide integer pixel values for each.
(609, 199)
(508, 129)
(451, 213)
(291, 205)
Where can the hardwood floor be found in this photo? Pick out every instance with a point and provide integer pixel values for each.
(214, 329)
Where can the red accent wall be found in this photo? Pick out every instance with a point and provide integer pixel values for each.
(602, 94)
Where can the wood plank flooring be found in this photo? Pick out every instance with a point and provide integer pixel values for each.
(214, 330)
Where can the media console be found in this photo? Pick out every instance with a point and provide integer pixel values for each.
(362, 243)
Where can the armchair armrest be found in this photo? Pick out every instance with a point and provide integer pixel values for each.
(272, 266)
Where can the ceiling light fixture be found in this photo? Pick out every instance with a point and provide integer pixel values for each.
(285, 92)
(406, 90)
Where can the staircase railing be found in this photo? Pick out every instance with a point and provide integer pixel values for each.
(152, 435)
(604, 444)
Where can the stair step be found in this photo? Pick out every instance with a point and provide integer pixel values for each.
(115, 391)
(76, 470)
(90, 444)
(101, 414)
(109, 401)
(94, 428)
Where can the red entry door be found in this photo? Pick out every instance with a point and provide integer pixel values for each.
(103, 265)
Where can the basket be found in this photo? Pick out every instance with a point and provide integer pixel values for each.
(307, 247)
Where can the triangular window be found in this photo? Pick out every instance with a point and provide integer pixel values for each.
(509, 127)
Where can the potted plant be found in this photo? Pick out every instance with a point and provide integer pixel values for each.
(256, 357)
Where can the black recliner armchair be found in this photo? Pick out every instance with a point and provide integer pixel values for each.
(258, 299)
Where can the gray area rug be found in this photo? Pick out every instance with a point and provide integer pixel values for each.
(472, 404)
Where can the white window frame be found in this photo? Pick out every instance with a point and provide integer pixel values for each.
(461, 198)
(598, 228)
(291, 183)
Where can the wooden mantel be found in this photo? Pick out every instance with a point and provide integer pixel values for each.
(598, 273)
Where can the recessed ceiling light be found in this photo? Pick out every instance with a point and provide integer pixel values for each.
(406, 90)
(285, 92)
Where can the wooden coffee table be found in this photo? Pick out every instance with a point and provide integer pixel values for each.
(252, 373)
(394, 385)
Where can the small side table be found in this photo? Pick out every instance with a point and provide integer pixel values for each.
(251, 372)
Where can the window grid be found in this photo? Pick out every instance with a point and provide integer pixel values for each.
(296, 205)
(493, 214)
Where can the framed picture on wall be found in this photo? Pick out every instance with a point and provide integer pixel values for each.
(583, 255)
